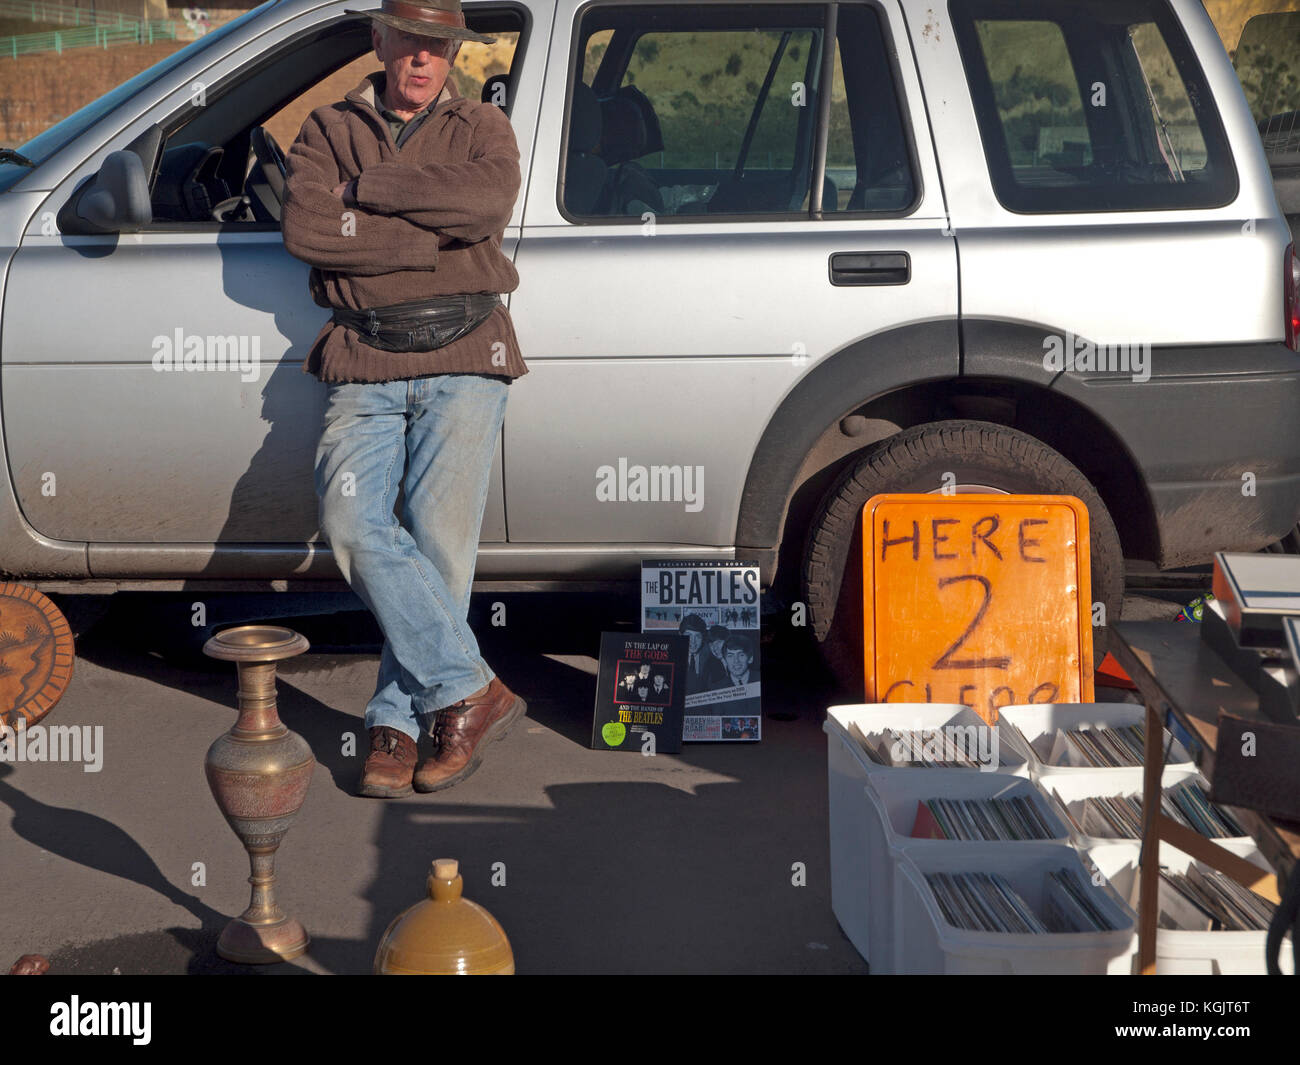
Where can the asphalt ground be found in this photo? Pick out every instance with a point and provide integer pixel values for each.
(712, 861)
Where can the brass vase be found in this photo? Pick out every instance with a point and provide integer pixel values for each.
(259, 772)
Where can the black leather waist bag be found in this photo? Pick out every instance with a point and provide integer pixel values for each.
(419, 325)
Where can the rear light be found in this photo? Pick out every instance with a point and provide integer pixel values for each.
(1292, 304)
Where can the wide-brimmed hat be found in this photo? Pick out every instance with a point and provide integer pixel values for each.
(426, 18)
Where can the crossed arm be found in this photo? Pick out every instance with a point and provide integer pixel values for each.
(468, 201)
(403, 214)
(322, 231)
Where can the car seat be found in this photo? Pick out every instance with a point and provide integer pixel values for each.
(630, 130)
(585, 174)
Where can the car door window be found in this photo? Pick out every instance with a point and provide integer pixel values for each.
(213, 171)
(476, 64)
(209, 173)
(701, 112)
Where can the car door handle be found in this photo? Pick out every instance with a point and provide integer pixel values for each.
(871, 268)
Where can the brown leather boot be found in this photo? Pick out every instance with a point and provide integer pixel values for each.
(459, 731)
(390, 766)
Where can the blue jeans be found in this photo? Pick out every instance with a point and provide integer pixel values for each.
(434, 437)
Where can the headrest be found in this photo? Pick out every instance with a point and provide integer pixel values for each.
(584, 119)
(624, 135)
(654, 136)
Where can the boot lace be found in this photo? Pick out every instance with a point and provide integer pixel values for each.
(444, 725)
(389, 741)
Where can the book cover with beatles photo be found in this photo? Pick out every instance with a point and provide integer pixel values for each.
(715, 607)
(640, 689)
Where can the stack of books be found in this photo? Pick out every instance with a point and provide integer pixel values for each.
(1258, 593)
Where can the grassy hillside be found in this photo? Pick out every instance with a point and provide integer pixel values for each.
(35, 93)
(12, 27)
(1268, 64)
(704, 85)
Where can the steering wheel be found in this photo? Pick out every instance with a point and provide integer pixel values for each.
(266, 182)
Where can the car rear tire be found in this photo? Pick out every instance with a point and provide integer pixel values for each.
(981, 456)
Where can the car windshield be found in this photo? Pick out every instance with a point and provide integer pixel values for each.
(41, 147)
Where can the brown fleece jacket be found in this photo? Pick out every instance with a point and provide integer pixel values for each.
(429, 222)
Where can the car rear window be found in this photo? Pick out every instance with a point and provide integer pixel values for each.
(1267, 60)
(1096, 106)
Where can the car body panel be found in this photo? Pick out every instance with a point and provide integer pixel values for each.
(211, 457)
(706, 343)
(1165, 277)
(705, 326)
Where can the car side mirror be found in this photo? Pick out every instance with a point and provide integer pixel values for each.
(115, 200)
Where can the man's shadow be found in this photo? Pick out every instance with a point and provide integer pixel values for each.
(97, 843)
(276, 493)
(270, 527)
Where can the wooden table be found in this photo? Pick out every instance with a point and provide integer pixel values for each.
(1178, 674)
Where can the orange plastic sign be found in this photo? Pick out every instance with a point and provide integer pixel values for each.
(977, 599)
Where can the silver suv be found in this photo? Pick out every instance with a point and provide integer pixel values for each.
(775, 257)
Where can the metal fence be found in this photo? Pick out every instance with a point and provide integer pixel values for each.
(64, 14)
(134, 31)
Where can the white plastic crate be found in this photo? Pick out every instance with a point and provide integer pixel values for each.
(894, 798)
(1185, 953)
(1038, 723)
(1073, 789)
(848, 767)
(924, 942)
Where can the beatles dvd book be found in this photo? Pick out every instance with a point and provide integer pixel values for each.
(715, 607)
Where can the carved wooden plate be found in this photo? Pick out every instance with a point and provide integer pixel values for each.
(36, 653)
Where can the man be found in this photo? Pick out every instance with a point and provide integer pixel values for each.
(738, 654)
(715, 669)
(695, 629)
(660, 689)
(397, 197)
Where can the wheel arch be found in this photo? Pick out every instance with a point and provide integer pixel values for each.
(883, 385)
